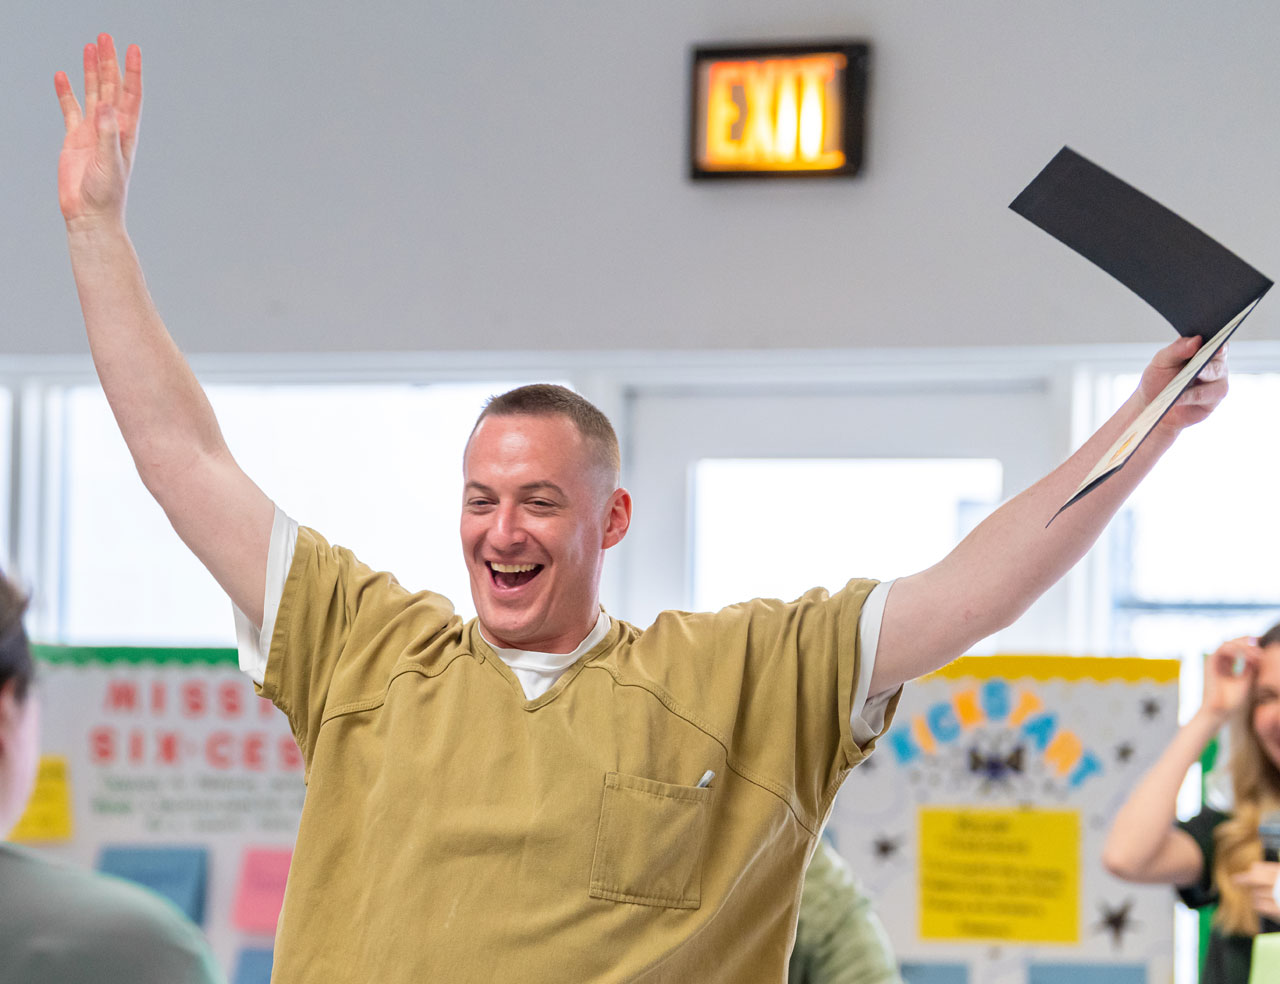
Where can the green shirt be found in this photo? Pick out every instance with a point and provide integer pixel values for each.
(454, 830)
(839, 938)
(62, 925)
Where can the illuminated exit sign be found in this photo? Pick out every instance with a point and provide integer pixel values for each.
(794, 109)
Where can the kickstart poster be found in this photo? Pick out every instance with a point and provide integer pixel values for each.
(977, 825)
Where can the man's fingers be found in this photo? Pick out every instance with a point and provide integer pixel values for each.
(131, 100)
(132, 78)
(1216, 367)
(90, 80)
(1203, 393)
(108, 70)
(1176, 353)
(71, 115)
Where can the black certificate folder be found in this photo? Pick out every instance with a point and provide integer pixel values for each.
(1195, 282)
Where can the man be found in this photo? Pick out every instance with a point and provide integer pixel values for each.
(543, 793)
(58, 924)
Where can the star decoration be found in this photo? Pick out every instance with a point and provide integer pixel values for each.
(886, 847)
(1150, 708)
(1116, 921)
(1124, 752)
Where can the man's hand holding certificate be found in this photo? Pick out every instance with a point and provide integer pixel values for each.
(1199, 286)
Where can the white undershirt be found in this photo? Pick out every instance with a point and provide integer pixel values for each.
(538, 672)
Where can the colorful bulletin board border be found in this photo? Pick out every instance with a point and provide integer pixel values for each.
(135, 655)
(1041, 667)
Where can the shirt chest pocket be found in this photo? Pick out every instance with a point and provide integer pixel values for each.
(650, 842)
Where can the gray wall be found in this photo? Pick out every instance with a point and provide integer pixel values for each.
(473, 175)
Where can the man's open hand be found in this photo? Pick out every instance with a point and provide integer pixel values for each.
(97, 153)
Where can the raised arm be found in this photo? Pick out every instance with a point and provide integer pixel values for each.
(1011, 558)
(1143, 845)
(162, 412)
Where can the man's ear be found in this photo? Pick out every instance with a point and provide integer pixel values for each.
(618, 518)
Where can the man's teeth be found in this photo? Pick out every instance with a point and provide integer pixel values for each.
(513, 568)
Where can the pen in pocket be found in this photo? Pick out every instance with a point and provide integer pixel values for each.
(706, 779)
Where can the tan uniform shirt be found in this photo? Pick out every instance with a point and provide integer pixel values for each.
(454, 831)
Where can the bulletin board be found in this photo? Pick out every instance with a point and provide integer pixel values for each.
(977, 825)
(163, 766)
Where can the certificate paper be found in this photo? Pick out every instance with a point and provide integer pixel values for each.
(1196, 283)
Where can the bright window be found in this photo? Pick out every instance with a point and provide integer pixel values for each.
(766, 527)
(375, 467)
(1196, 554)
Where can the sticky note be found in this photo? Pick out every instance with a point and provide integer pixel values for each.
(1094, 973)
(1008, 875)
(180, 874)
(1266, 958)
(931, 973)
(48, 813)
(253, 967)
(260, 891)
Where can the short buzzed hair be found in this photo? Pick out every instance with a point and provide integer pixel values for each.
(550, 400)
(15, 651)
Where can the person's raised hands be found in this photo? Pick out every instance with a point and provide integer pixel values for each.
(1200, 398)
(97, 152)
(1228, 675)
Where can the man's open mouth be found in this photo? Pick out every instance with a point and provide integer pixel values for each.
(513, 575)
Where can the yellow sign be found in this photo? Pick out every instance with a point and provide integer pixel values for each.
(1009, 875)
(792, 112)
(48, 813)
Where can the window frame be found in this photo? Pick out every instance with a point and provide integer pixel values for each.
(1074, 377)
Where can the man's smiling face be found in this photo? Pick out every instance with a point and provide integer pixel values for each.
(538, 511)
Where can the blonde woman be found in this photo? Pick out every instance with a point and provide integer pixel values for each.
(1216, 856)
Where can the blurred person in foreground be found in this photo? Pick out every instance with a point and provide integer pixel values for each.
(59, 924)
(1216, 857)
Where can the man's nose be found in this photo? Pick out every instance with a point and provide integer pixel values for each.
(507, 530)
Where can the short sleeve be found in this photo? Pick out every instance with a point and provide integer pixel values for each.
(867, 713)
(1201, 827)
(778, 681)
(340, 629)
(252, 642)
